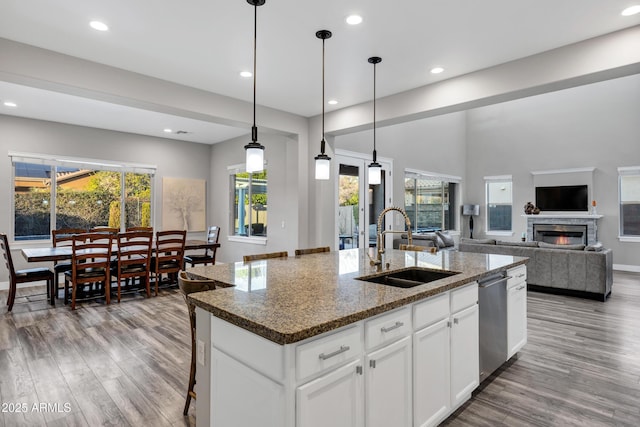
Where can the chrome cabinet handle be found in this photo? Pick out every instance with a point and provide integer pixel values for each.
(372, 363)
(455, 320)
(359, 370)
(520, 288)
(391, 328)
(521, 275)
(342, 349)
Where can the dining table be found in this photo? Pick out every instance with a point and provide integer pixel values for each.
(62, 253)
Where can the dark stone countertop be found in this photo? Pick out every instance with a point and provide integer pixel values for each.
(290, 299)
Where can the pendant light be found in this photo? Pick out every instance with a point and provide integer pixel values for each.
(323, 162)
(254, 150)
(375, 168)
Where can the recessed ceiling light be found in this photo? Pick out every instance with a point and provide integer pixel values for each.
(10, 104)
(354, 19)
(246, 74)
(100, 26)
(631, 10)
(167, 130)
(437, 70)
(332, 102)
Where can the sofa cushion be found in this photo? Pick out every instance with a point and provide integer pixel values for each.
(565, 247)
(523, 244)
(478, 241)
(446, 238)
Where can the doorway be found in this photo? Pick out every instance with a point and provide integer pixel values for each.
(358, 203)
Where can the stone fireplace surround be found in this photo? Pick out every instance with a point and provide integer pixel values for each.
(588, 220)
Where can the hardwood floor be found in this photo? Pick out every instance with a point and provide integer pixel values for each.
(580, 367)
(127, 364)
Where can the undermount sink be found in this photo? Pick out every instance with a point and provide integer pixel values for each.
(408, 278)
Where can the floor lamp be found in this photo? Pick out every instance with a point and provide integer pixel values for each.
(471, 211)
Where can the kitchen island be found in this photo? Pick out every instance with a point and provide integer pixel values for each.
(302, 341)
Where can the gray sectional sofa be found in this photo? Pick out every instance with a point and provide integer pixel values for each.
(566, 269)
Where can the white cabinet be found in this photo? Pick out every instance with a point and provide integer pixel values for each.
(334, 399)
(516, 311)
(388, 392)
(446, 354)
(465, 354)
(431, 370)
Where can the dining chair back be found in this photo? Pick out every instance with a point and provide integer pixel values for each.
(189, 284)
(62, 237)
(247, 258)
(103, 229)
(134, 261)
(90, 268)
(313, 250)
(169, 256)
(140, 229)
(23, 276)
(209, 256)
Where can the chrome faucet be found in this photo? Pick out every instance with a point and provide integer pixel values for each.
(378, 261)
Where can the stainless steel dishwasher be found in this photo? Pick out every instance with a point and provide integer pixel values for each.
(492, 301)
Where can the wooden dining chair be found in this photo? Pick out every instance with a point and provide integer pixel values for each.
(313, 250)
(271, 255)
(134, 262)
(169, 256)
(103, 229)
(24, 276)
(140, 228)
(209, 256)
(189, 284)
(417, 248)
(62, 237)
(90, 268)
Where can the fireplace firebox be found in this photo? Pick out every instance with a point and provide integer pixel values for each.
(560, 234)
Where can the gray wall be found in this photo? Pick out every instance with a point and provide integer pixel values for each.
(173, 159)
(597, 125)
(281, 155)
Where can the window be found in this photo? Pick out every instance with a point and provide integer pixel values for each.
(428, 201)
(249, 202)
(499, 203)
(59, 193)
(629, 178)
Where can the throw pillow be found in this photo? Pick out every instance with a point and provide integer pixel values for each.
(565, 247)
(478, 241)
(522, 244)
(595, 247)
(446, 238)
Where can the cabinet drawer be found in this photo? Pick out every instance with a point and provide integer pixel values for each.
(464, 297)
(387, 328)
(430, 311)
(518, 275)
(327, 352)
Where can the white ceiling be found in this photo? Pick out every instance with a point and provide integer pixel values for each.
(206, 43)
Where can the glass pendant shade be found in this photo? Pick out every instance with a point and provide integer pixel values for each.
(323, 167)
(375, 173)
(255, 157)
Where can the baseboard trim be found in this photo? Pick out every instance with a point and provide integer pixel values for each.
(628, 268)
(568, 292)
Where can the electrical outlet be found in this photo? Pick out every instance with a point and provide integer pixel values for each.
(201, 352)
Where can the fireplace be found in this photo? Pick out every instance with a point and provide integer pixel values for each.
(560, 234)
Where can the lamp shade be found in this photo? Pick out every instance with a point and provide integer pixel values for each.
(323, 166)
(254, 158)
(473, 210)
(375, 173)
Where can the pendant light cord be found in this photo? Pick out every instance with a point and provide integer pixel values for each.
(374, 112)
(254, 129)
(322, 143)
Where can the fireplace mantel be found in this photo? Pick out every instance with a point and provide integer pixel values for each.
(590, 220)
(565, 216)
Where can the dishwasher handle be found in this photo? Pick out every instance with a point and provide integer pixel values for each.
(494, 282)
